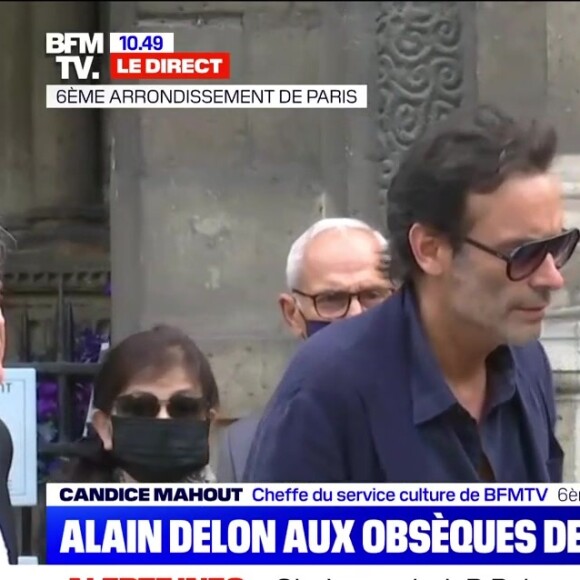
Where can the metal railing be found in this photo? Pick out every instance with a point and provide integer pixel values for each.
(59, 365)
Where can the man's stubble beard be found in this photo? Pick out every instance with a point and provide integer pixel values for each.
(478, 305)
(482, 305)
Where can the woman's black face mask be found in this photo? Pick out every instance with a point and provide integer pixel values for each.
(160, 450)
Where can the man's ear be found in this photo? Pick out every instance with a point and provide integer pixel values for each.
(102, 425)
(291, 315)
(431, 252)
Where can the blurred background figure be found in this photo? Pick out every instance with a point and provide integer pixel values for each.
(336, 269)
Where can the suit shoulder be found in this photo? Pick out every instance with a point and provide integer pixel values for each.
(335, 362)
(532, 356)
(344, 361)
(533, 363)
(244, 425)
(344, 340)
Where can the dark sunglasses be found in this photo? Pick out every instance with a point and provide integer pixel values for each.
(524, 260)
(179, 406)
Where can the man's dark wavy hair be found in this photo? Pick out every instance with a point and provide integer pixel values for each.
(470, 152)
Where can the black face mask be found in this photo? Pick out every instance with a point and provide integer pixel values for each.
(155, 450)
(313, 326)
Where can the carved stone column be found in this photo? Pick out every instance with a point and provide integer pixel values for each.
(422, 56)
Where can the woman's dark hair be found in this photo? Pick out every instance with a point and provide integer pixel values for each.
(147, 356)
(470, 152)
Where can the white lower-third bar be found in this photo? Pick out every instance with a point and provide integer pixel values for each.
(198, 96)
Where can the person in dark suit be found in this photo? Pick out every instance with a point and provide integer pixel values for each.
(8, 541)
(333, 271)
(447, 380)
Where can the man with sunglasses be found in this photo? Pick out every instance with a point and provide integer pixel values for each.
(446, 381)
(332, 273)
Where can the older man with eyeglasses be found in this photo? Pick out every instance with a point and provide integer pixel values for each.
(333, 272)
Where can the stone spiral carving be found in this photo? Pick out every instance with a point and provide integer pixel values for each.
(420, 73)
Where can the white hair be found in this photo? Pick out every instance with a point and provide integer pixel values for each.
(295, 259)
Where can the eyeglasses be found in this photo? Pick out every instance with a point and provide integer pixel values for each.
(178, 406)
(524, 260)
(333, 305)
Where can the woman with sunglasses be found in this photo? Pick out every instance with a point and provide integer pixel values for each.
(155, 398)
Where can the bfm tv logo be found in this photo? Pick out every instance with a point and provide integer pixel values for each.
(76, 53)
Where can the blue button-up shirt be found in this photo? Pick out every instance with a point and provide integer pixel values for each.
(497, 442)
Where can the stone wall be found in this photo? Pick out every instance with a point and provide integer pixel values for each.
(50, 159)
(204, 204)
(562, 331)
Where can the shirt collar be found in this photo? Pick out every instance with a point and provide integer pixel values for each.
(430, 393)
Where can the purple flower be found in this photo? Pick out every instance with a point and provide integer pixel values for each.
(47, 389)
(47, 392)
(88, 346)
(87, 349)
(47, 408)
